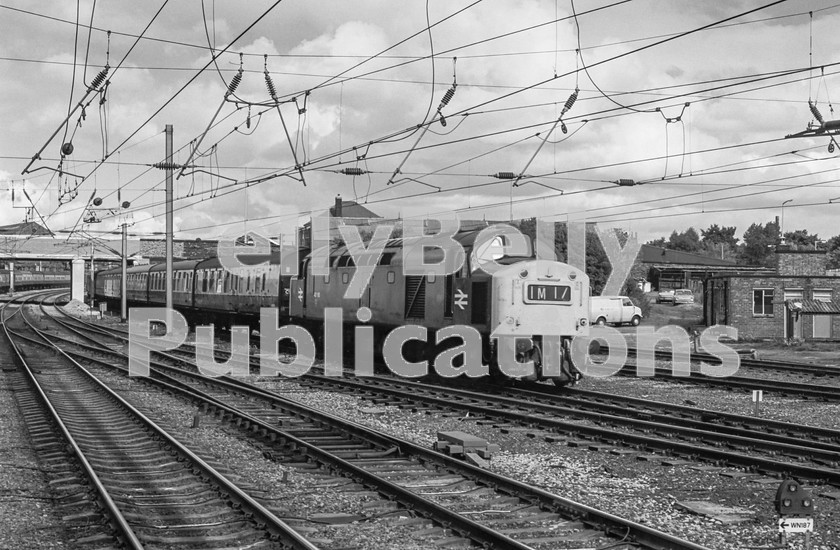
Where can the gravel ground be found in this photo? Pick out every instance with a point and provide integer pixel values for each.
(294, 494)
(29, 516)
(773, 407)
(644, 491)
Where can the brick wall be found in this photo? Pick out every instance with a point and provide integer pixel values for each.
(750, 326)
(155, 249)
(800, 262)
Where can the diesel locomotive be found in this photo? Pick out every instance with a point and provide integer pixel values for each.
(526, 310)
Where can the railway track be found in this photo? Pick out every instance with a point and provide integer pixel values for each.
(774, 454)
(155, 492)
(787, 381)
(761, 445)
(486, 508)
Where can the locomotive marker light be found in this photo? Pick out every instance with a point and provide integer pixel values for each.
(795, 506)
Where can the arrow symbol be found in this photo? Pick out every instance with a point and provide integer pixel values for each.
(300, 294)
(461, 298)
(783, 524)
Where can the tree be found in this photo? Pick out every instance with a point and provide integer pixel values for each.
(719, 242)
(759, 242)
(800, 239)
(833, 247)
(687, 241)
(716, 235)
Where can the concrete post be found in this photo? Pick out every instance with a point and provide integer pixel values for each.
(77, 280)
(11, 277)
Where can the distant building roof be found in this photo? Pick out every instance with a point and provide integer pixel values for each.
(657, 255)
(24, 229)
(352, 209)
(48, 248)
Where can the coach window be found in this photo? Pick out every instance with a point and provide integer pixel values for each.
(263, 282)
(763, 302)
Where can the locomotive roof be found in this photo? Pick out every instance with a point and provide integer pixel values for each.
(465, 238)
(431, 254)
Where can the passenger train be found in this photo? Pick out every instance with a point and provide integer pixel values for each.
(535, 306)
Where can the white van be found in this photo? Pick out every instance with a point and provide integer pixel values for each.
(617, 310)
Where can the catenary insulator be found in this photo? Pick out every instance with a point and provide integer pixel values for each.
(815, 112)
(234, 82)
(570, 102)
(272, 91)
(447, 97)
(352, 171)
(99, 78)
(505, 175)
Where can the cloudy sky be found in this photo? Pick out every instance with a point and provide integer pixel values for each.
(690, 100)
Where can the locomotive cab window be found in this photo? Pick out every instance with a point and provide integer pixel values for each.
(386, 258)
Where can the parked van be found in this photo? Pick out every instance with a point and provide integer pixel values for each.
(617, 310)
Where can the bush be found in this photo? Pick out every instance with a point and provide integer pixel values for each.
(638, 297)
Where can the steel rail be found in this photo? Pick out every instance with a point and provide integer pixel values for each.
(118, 521)
(609, 523)
(831, 475)
(263, 516)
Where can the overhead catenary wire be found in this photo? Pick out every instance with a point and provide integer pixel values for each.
(215, 56)
(272, 92)
(190, 81)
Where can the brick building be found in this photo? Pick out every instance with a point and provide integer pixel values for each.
(799, 300)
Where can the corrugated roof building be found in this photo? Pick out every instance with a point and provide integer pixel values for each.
(800, 300)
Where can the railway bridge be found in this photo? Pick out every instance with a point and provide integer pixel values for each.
(29, 262)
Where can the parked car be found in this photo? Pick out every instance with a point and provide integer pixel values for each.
(666, 295)
(617, 310)
(683, 296)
